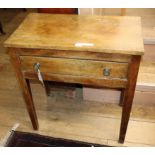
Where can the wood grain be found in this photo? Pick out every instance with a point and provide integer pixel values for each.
(74, 54)
(74, 67)
(107, 34)
(128, 96)
(25, 88)
(90, 81)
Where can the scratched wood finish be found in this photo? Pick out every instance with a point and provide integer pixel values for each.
(66, 66)
(128, 95)
(25, 88)
(107, 34)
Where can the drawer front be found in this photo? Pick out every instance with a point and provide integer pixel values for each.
(75, 67)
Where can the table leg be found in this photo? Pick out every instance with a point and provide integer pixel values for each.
(26, 90)
(128, 95)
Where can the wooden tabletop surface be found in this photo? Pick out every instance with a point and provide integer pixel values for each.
(108, 34)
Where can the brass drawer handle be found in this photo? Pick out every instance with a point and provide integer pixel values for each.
(37, 70)
(106, 72)
(36, 66)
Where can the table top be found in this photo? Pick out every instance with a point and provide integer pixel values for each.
(107, 34)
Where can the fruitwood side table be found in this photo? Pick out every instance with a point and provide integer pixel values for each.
(102, 51)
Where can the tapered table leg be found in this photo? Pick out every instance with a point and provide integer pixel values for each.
(25, 87)
(128, 95)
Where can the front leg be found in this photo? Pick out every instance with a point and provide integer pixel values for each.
(25, 88)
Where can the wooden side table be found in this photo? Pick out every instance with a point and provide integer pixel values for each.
(102, 51)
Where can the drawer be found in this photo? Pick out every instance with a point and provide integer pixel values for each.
(76, 67)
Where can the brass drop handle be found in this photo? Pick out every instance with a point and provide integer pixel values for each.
(37, 70)
(36, 66)
(106, 72)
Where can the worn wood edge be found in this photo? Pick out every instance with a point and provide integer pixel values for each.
(90, 55)
(99, 50)
(133, 51)
(72, 54)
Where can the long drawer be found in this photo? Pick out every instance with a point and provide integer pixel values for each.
(76, 67)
